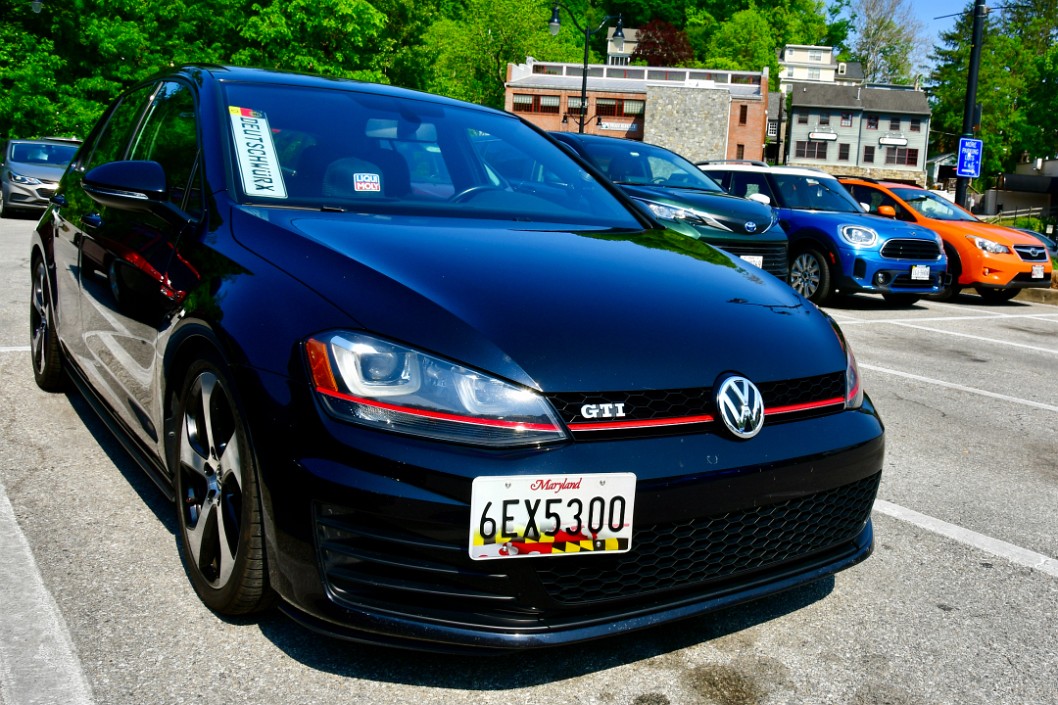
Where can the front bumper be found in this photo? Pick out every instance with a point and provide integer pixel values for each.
(867, 272)
(29, 197)
(368, 532)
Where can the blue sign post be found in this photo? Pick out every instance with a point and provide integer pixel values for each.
(969, 158)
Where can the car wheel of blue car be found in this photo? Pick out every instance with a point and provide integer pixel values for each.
(810, 276)
(216, 488)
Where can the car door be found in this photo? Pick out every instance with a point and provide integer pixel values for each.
(75, 217)
(129, 293)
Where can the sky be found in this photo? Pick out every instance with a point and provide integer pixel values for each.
(934, 16)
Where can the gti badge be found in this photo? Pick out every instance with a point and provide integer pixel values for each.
(741, 406)
(602, 411)
(751, 227)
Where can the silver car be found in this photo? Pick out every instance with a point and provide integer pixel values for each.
(30, 171)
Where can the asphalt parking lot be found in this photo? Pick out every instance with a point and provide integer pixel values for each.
(959, 603)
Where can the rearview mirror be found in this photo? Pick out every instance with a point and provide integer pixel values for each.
(760, 198)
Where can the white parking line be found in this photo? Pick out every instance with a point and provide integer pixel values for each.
(37, 659)
(961, 388)
(1002, 549)
(979, 338)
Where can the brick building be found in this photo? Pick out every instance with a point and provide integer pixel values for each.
(699, 113)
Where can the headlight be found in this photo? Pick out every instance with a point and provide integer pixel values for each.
(376, 383)
(24, 180)
(989, 245)
(853, 383)
(859, 236)
(688, 215)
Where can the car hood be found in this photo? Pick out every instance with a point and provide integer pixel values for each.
(555, 310)
(885, 227)
(734, 212)
(44, 172)
(996, 233)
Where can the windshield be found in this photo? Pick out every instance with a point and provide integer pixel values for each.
(343, 150)
(643, 164)
(43, 153)
(930, 205)
(817, 193)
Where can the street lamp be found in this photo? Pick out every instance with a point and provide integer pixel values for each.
(619, 43)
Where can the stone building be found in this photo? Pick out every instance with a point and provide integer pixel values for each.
(699, 113)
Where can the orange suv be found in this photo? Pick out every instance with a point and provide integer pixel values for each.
(998, 262)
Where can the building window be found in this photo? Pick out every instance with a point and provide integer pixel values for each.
(916, 125)
(574, 107)
(872, 122)
(632, 108)
(813, 74)
(868, 155)
(894, 124)
(802, 118)
(743, 115)
(843, 152)
(846, 119)
(773, 128)
(537, 103)
(815, 55)
(810, 150)
(902, 156)
(616, 107)
(740, 151)
(824, 119)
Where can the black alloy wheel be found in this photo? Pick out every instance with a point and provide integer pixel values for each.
(217, 498)
(810, 276)
(44, 343)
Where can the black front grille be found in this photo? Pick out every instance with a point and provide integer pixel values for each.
(776, 260)
(665, 404)
(911, 249)
(375, 558)
(696, 552)
(1031, 253)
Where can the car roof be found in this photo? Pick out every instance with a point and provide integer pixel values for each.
(242, 74)
(876, 182)
(762, 167)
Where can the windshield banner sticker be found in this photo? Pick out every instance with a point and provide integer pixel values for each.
(258, 163)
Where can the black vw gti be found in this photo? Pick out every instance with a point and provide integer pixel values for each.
(413, 396)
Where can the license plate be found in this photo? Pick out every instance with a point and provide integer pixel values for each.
(755, 260)
(920, 272)
(522, 516)
(1037, 271)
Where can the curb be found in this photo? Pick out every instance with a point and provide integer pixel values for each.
(1043, 296)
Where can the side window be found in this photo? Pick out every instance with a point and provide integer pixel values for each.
(169, 137)
(873, 199)
(746, 183)
(112, 142)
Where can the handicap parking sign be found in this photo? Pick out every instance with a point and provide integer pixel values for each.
(969, 158)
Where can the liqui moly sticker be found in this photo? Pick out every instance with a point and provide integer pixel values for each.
(258, 163)
(367, 182)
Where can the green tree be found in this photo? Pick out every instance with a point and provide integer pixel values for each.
(469, 53)
(888, 40)
(744, 43)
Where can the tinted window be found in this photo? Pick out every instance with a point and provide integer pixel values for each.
(931, 205)
(169, 137)
(112, 142)
(42, 153)
(816, 193)
(340, 149)
(637, 163)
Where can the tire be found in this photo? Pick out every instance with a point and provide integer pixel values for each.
(951, 292)
(218, 506)
(901, 299)
(810, 276)
(997, 296)
(44, 342)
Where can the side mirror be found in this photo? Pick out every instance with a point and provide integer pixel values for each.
(760, 198)
(887, 211)
(137, 186)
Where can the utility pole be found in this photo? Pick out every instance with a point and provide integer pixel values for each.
(980, 10)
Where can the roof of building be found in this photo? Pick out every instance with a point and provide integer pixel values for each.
(883, 100)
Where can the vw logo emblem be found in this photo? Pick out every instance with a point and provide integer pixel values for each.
(741, 406)
(751, 227)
